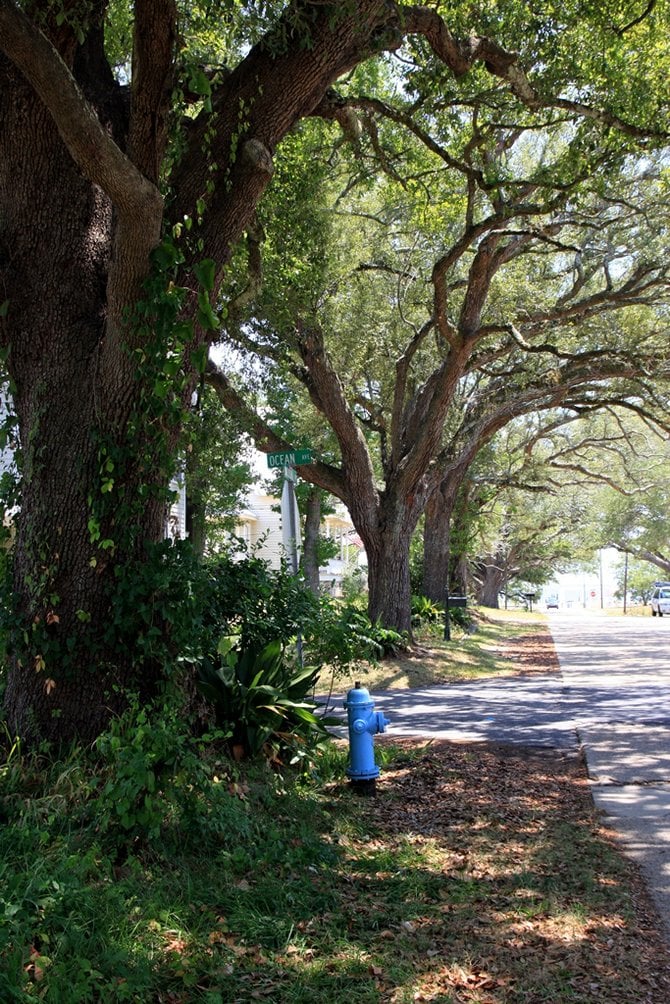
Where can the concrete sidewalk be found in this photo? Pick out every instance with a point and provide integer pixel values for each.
(629, 770)
(616, 673)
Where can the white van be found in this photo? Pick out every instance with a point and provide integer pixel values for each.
(660, 599)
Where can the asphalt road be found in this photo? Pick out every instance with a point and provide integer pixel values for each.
(615, 671)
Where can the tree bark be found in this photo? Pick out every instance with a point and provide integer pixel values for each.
(196, 528)
(389, 598)
(54, 273)
(436, 544)
(492, 579)
(310, 558)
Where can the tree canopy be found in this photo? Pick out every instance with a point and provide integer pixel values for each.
(138, 141)
(492, 266)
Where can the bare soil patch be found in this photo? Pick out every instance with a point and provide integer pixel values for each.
(532, 654)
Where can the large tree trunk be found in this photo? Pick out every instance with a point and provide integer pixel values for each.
(87, 504)
(310, 557)
(387, 548)
(389, 584)
(436, 541)
(59, 233)
(492, 581)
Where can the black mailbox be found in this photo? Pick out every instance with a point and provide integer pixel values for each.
(457, 601)
(529, 597)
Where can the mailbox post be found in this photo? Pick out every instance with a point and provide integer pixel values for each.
(451, 602)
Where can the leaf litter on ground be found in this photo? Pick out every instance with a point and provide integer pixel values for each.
(487, 870)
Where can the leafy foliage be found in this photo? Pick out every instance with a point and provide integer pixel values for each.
(425, 611)
(261, 698)
(260, 604)
(636, 578)
(346, 636)
(217, 472)
(150, 772)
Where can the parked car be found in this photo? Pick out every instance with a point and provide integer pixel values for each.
(660, 599)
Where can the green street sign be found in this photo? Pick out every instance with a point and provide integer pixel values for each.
(289, 458)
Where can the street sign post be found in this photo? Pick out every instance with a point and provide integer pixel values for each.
(289, 458)
(290, 523)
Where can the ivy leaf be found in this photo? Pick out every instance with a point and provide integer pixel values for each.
(205, 272)
(207, 319)
(167, 255)
(198, 82)
(199, 358)
(183, 332)
(171, 366)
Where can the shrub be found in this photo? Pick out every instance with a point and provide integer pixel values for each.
(425, 611)
(254, 601)
(344, 636)
(149, 771)
(262, 698)
(461, 617)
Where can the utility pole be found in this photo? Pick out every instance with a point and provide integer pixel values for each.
(600, 555)
(625, 580)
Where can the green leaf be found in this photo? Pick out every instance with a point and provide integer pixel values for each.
(226, 643)
(199, 358)
(166, 256)
(198, 82)
(183, 332)
(205, 273)
(207, 319)
(171, 366)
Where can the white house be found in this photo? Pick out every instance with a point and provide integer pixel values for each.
(175, 521)
(260, 527)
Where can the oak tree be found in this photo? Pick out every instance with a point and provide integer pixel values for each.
(137, 141)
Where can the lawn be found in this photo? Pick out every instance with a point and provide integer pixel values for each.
(478, 873)
(500, 643)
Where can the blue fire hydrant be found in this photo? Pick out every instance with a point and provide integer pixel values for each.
(364, 723)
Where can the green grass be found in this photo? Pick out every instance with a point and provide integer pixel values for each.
(469, 655)
(463, 870)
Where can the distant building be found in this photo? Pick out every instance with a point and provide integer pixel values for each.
(585, 590)
(259, 527)
(175, 521)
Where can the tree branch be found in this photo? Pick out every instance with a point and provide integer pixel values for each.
(151, 85)
(265, 438)
(460, 55)
(91, 147)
